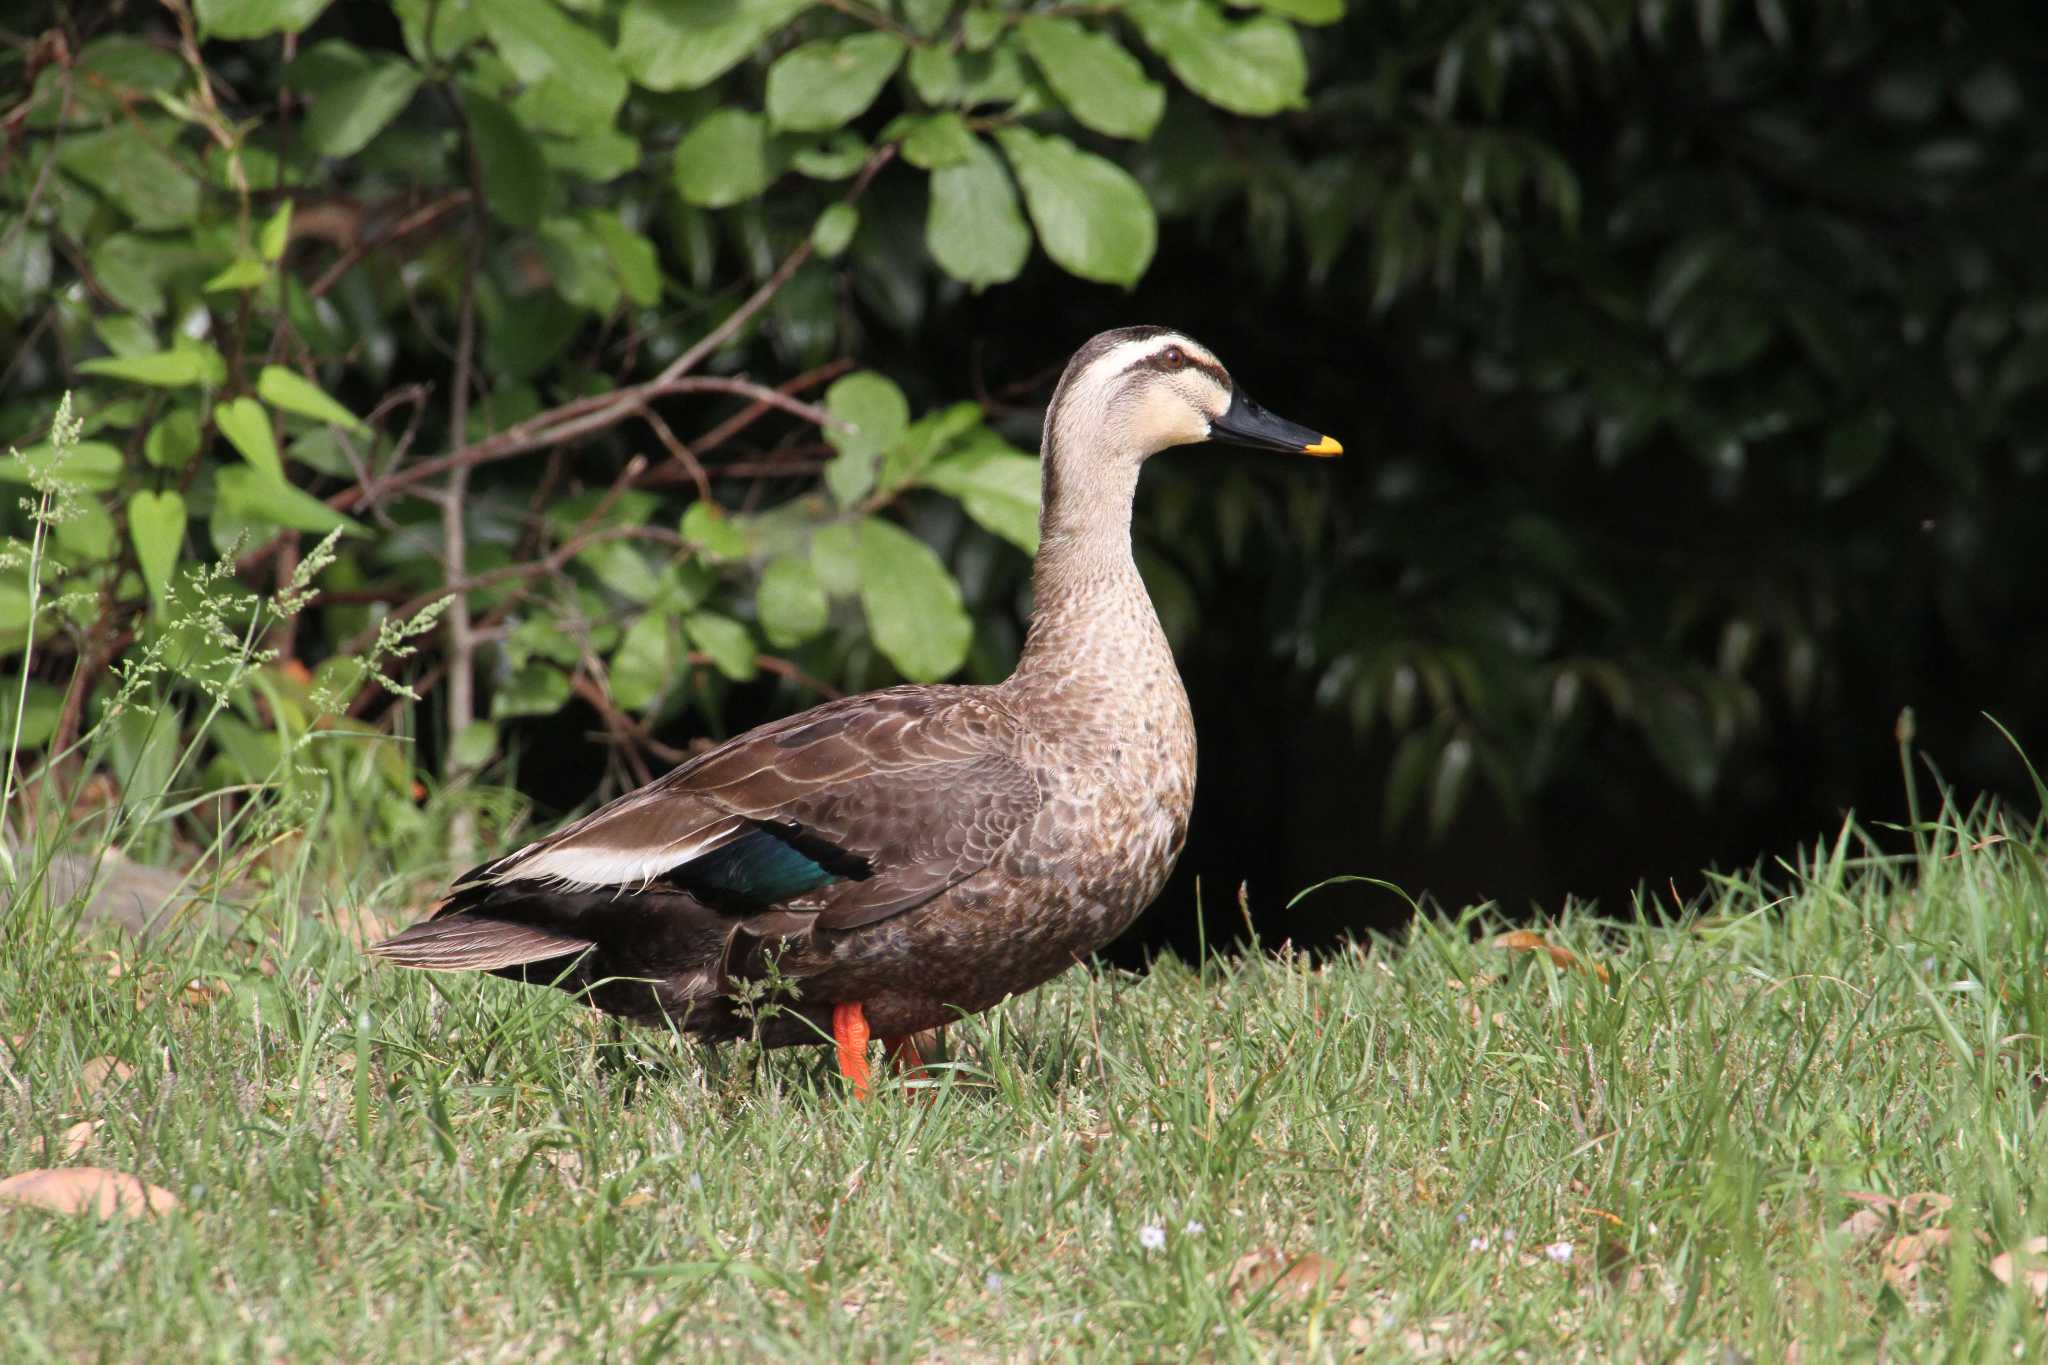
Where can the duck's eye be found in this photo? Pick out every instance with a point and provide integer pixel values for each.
(1173, 358)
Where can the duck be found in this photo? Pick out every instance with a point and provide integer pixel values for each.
(885, 864)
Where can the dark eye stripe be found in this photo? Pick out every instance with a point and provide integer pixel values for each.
(1189, 361)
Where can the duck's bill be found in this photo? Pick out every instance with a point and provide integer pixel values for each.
(1248, 424)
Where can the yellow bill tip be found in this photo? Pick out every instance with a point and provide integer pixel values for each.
(1327, 446)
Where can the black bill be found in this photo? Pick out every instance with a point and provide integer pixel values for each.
(1248, 424)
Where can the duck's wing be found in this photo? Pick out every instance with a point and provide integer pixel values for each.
(832, 819)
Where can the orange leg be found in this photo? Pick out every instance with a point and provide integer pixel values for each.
(903, 1054)
(850, 1035)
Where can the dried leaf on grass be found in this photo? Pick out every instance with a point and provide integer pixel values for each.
(1904, 1256)
(1475, 1016)
(1865, 1225)
(1881, 1212)
(86, 1189)
(2028, 1266)
(202, 991)
(76, 1139)
(100, 1072)
(1526, 941)
(1271, 1271)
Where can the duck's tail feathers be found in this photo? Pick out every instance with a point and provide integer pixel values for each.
(475, 943)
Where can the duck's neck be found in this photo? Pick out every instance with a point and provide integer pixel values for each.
(1091, 620)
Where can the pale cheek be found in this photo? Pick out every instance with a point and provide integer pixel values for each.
(1166, 420)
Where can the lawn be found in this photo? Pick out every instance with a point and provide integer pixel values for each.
(1687, 1138)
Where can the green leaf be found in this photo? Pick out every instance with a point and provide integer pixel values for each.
(45, 703)
(725, 160)
(133, 172)
(125, 335)
(875, 414)
(633, 258)
(576, 84)
(998, 77)
(836, 158)
(245, 272)
(825, 83)
(926, 17)
(1092, 217)
(997, 486)
(928, 438)
(174, 440)
(247, 427)
(87, 534)
(709, 529)
(934, 141)
(475, 744)
(1101, 84)
(791, 602)
(539, 689)
(834, 229)
(1315, 12)
(540, 637)
(25, 269)
(322, 66)
(687, 44)
(835, 555)
(517, 183)
(974, 227)
(256, 18)
(276, 233)
(345, 118)
(91, 465)
(156, 523)
(912, 603)
(581, 266)
(246, 494)
(935, 74)
(724, 641)
(294, 393)
(167, 369)
(621, 568)
(644, 664)
(982, 28)
(1255, 67)
(436, 31)
(598, 157)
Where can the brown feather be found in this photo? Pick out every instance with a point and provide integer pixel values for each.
(472, 943)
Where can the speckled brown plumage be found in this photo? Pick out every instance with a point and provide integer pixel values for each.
(945, 846)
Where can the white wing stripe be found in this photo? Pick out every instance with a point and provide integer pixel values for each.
(576, 864)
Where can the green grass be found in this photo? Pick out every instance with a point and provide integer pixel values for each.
(379, 1164)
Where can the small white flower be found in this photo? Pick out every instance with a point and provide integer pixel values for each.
(1152, 1237)
(1478, 1244)
(1561, 1252)
(992, 1282)
(1194, 1228)
(696, 1181)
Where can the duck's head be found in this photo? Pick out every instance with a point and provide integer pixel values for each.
(1136, 391)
